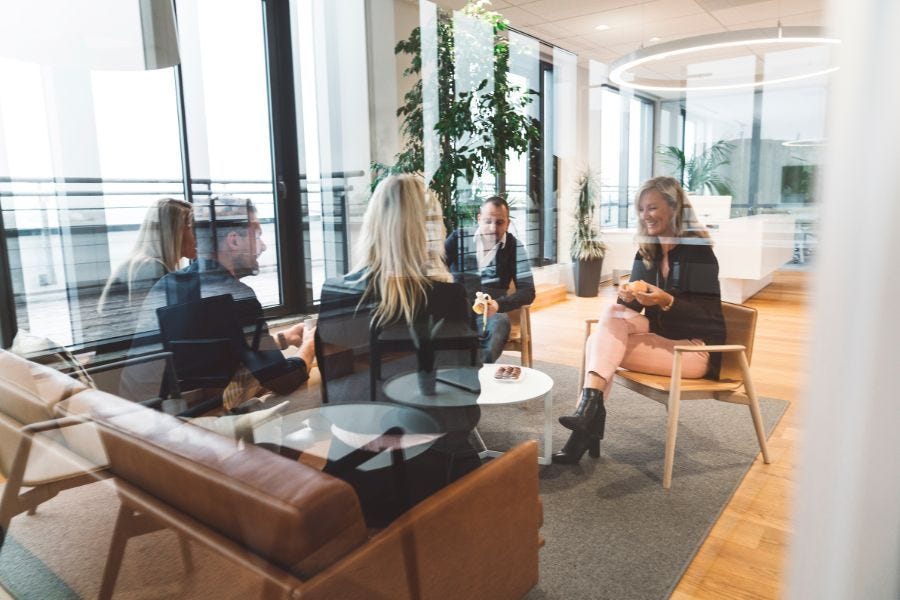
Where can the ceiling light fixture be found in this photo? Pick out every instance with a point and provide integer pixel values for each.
(601, 27)
(804, 143)
(623, 67)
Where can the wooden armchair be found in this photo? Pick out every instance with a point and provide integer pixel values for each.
(40, 454)
(734, 383)
(520, 333)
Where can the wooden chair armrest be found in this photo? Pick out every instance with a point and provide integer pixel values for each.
(714, 348)
(50, 424)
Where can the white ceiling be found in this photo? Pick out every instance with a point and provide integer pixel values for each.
(571, 24)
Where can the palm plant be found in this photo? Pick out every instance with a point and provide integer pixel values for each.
(586, 242)
(587, 247)
(701, 171)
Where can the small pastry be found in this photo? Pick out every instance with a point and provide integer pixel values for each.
(637, 287)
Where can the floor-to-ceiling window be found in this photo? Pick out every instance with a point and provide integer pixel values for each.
(625, 160)
(84, 154)
(86, 149)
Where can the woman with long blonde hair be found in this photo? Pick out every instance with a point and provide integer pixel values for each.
(673, 299)
(165, 237)
(400, 250)
(399, 279)
(395, 314)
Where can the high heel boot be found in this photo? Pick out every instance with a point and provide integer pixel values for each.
(579, 441)
(577, 444)
(597, 430)
(583, 419)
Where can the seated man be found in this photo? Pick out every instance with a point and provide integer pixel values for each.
(229, 242)
(488, 260)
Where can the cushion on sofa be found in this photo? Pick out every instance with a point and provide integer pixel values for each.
(292, 515)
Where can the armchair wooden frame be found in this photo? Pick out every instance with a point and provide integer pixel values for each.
(520, 339)
(13, 502)
(735, 383)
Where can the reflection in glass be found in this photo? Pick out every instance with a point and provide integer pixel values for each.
(76, 186)
(227, 114)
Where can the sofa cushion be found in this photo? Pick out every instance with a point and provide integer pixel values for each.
(29, 391)
(291, 514)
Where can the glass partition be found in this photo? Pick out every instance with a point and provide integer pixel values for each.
(331, 85)
(228, 119)
(75, 185)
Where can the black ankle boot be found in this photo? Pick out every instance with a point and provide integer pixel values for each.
(597, 430)
(577, 444)
(599, 420)
(585, 414)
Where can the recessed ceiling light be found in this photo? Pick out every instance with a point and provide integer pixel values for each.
(601, 27)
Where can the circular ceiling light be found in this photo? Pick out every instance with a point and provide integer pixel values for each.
(804, 143)
(644, 68)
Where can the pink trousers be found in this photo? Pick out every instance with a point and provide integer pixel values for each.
(622, 338)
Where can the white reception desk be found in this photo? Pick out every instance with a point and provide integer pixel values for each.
(749, 250)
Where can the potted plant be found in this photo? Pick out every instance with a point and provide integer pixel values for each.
(587, 249)
(701, 172)
(477, 131)
(423, 336)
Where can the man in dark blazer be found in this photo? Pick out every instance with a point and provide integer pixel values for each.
(490, 259)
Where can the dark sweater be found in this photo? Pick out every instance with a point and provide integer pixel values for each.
(694, 282)
(202, 279)
(510, 265)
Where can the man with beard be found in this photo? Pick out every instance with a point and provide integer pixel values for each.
(229, 243)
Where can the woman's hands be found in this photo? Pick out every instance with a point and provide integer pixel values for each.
(625, 293)
(654, 296)
(645, 294)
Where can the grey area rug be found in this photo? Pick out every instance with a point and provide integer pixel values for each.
(611, 530)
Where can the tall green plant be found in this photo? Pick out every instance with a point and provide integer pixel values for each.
(586, 242)
(476, 131)
(701, 172)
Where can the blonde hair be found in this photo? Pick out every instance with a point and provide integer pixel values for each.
(158, 240)
(401, 248)
(686, 224)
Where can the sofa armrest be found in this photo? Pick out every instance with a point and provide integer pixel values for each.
(476, 538)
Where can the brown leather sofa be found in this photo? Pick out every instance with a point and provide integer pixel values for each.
(300, 531)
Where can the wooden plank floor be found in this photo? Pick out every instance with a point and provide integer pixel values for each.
(744, 555)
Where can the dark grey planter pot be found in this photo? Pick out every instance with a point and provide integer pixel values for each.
(587, 277)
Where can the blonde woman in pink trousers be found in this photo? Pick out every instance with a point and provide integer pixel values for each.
(673, 299)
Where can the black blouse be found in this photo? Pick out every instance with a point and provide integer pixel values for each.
(694, 282)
